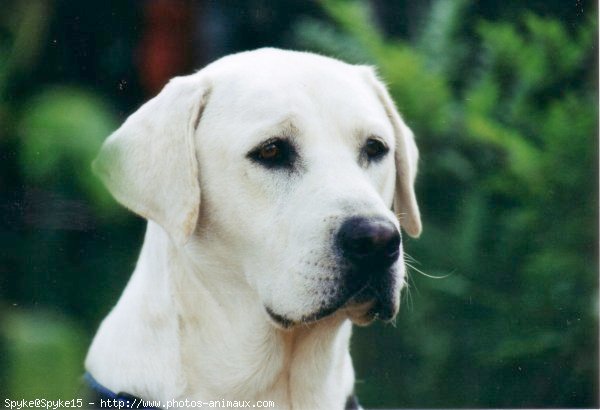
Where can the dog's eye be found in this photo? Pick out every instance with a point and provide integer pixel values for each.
(274, 153)
(375, 149)
(269, 152)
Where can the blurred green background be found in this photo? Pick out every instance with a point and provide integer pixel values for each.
(503, 99)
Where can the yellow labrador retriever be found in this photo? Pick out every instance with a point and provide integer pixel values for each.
(268, 180)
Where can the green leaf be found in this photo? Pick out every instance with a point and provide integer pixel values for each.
(61, 131)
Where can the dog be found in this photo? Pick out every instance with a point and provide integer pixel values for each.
(275, 184)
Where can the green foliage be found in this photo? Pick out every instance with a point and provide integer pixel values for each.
(61, 132)
(45, 356)
(398, 64)
(47, 141)
(505, 115)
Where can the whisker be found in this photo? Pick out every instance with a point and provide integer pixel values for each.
(410, 281)
(412, 259)
(407, 289)
(426, 274)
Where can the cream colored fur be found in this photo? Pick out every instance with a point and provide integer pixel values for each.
(227, 238)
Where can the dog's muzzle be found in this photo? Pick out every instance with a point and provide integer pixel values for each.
(370, 247)
(367, 250)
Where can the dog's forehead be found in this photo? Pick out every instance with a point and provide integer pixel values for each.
(276, 65)
(265, 88)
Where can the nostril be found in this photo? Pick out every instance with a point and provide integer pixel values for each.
(369, 240)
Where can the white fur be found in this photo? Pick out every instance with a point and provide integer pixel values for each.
(227, 238)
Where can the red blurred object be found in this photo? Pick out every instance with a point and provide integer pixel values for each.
(166, 46)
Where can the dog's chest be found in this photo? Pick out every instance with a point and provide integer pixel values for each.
(264, 365)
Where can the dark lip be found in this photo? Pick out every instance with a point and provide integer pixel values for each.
(286, 323)
(379, 310)
(320, 314)
(382, 312)
(362, 292)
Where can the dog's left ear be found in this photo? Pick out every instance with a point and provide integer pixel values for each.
(407, 157)
(149, 164)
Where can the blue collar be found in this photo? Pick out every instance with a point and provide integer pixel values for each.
(116, 400)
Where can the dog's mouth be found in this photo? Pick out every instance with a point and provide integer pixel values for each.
(364, 306)
(286, 323)
(371, 303)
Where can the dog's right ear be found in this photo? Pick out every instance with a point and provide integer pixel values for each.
(407, 156)
(149, 164)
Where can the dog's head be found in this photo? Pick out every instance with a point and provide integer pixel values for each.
(292, 162)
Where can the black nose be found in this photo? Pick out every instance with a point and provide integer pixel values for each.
(369, 241)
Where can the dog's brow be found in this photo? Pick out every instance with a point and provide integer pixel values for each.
(284, 127)
(374, 129)
(287, 126)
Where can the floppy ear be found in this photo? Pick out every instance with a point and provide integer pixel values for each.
(407, 157)
(149, 164)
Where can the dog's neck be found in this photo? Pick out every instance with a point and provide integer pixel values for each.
(191, 327)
